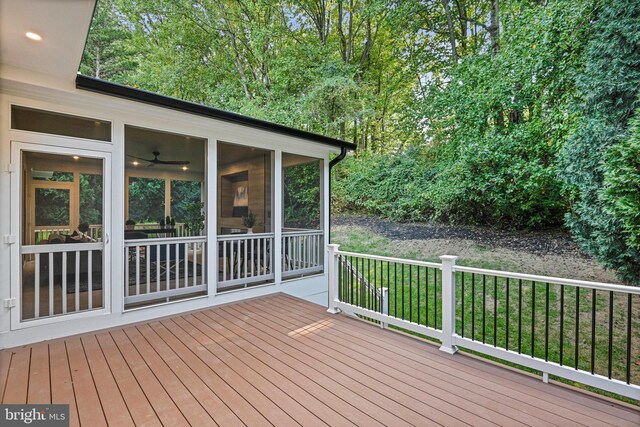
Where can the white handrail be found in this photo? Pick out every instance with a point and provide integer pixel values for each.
(60, 247)
(391, 259)
(243, 236)
(163, 240)
(547, 279)
(302, 233)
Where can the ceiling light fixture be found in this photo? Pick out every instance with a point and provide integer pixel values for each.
(184, 168)
(33, 36)
(135, 163)
(76, 158)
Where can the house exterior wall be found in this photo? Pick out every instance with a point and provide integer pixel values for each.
(42, 93)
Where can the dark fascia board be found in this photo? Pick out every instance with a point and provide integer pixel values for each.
(126, 92)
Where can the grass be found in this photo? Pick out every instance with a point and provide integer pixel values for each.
(580, 341)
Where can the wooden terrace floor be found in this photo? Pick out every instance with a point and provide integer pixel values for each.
(278, 360)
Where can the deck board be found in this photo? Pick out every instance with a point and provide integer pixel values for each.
(39, 388)
(479, 373)
(87, 400)
(278, 360)
(61, 384)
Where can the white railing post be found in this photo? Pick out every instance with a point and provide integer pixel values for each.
(332, 262)
(448, 303)
(384, 295)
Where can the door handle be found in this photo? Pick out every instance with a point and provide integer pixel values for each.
(106, 238)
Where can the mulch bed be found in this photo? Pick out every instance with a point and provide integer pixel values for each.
(544, 241)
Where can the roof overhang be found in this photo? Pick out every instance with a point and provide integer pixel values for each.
(126, 92)
(63, 25)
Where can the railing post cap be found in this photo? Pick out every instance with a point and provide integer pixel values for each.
(333, 247)
(451, 258)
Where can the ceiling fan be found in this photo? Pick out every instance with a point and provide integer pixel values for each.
(156, 161)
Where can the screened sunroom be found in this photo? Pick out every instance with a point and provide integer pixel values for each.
(123, 205)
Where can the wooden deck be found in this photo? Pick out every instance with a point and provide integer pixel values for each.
(278, 360)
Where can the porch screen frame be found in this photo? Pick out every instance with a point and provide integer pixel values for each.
(66, 147)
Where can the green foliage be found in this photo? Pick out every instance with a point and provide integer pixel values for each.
(622, 183)
(194, 218)
(146, 200)
(183, 195)
(90, 199)
(301, 195)
(609, 87)
(493, 127)
(52, 207)
(392, 186)
(250, 220)
(108, 53)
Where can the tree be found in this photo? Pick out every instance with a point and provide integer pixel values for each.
(108, 54)
(622, 183)
(609, 87)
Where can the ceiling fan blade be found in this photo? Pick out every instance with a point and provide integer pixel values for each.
(172, 162)
(140, 158)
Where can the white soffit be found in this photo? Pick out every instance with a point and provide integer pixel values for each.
(63, 25)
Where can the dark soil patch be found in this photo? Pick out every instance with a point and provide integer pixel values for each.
(543, 242)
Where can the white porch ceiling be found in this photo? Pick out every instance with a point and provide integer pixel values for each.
(63, 25)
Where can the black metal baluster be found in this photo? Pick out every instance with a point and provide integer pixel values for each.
(473, 306)
(533, 318)
(352, 280)
(410, 294)
(435, 299)
(495, 311)
(340, 287)
(403, 307)
(593, 330)
(577, 331)
(365, 289)
(610, 334)
(546, 324)
(519, 315)
(463, 297)
(395, 289)
(628, 339)
(484, 305)
(561, 324)
(506, 338)
(418, 298)
(388, 284)
(368, 278)
(375, 287)
(426, 297)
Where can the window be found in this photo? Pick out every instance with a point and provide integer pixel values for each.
(33, 120)
(245, 183)
(165, 184)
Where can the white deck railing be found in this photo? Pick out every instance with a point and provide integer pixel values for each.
(42, 233)
(60, 279)
(245, 259)
(162, 269)
(302, 253)
(581, 331)
(179, 227)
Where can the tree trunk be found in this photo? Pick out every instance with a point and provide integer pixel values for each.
(97, 63)
(494, 27)
(452, 34)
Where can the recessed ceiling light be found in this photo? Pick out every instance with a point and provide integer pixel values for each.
(76, 157)
(135, 163)
(184, 168)
(33, 36)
